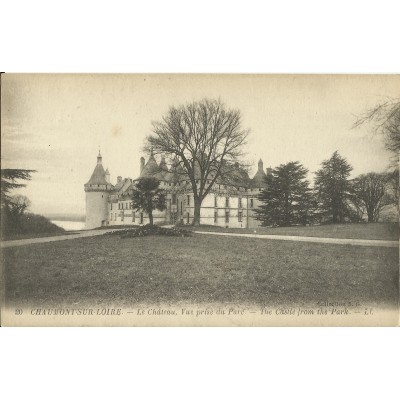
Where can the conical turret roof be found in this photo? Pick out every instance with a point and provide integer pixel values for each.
(99, 175)
(259, 178)
(151, 168)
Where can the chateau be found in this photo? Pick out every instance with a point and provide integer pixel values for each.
(230, 204)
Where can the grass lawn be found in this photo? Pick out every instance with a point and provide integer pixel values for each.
(107, 270)
(19, 236)
(378, 231)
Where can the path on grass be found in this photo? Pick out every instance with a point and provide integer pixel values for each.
(23, 242)
(312, 239)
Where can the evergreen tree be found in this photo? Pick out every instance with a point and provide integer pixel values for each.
(333, 189)
(12, 207)
(147, 196)
(287, 199)
(9, 179)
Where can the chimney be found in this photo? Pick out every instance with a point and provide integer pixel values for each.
(119, 179)
(141, 164)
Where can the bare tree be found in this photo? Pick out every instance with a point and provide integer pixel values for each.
(370, 192)
(385, 120)
(206, 139)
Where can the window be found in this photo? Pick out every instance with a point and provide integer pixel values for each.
(227, 202)
(133, 216)
(226, 216)
(240, 214)
(240, 202)
(122, 216)
(188, 200)
(173, 198)
(141, 218)
(215, 201)
(115, 216)
(251, 203)
(215, 216)
(111, 206)
(187, 218)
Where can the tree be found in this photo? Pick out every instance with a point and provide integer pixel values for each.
(385, 120)
(147, 197)
(287, 199)
(9, 178)
(393, 188)
(370, 190)
(12, 208)
(206, 139)
(13, 211)
(333, 189)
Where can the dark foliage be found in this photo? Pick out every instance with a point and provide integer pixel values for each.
(9, 178)
(150, 230)
(333, 188)
(287, 199)
(147, 197)
(28, 223)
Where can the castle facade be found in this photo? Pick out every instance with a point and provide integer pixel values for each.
(229, 204)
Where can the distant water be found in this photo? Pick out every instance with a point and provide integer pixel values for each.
(70, 225)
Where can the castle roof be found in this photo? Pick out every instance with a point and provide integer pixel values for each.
(151, 168)
(163, 165)
(259, 178)
(232, 174)
(98, 177)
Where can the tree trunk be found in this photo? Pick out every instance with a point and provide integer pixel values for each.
(370, 214)
(151, 218)
(197, 206)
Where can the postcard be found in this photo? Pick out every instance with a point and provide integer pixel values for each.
(199, 200)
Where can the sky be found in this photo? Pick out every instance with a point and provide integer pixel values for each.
(56, 123)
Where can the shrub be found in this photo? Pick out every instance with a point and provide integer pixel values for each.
(27, 224)
(150, 230)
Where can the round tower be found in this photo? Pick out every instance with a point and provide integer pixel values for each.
(97, 190)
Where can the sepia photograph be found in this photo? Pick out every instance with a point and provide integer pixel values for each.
(199, 200)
